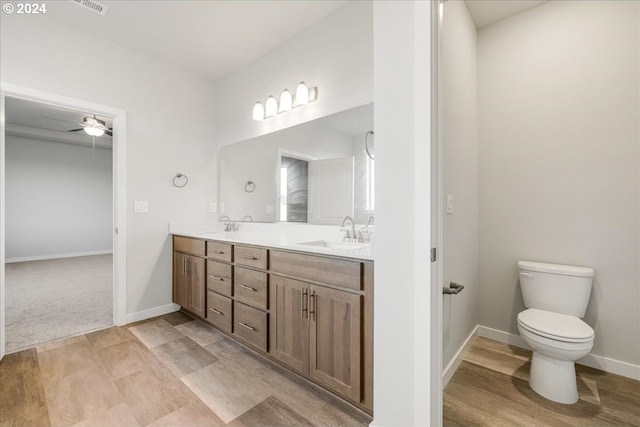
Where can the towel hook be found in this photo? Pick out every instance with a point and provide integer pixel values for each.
(250, 186)
(366, 145)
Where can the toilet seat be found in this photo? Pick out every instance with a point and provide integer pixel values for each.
(555, 326)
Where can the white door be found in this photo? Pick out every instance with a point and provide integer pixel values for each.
(330, 190)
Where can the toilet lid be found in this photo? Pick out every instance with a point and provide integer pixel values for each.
(561, 327)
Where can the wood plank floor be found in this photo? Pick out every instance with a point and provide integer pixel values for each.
(491, 388)
(167, 371)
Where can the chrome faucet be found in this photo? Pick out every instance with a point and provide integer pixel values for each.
(371, 221)
(229, 226)
(349, 233)
(248, 218)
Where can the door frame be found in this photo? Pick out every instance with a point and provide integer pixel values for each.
(119, 190)
(437, 217)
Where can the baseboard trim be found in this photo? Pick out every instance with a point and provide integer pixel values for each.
(57, 256)
(457, 359)
(152, 312)
(603, 363)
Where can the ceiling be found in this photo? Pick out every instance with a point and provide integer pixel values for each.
(48, 122)
(212, 38)
(485, 12)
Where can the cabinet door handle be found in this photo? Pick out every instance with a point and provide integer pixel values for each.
(220, 279)
(184, 266)
(303, 303)
(217, 311)
(249, 288)
(312, 305)
(252, 258)
(218, 252)
(244, 325)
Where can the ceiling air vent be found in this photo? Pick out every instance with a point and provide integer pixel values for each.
(93, 5)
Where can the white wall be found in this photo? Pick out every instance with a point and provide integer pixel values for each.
(59, 199)
(404, 387)
(460, 174)
(170, 129)
(335, 54)
(559, 112)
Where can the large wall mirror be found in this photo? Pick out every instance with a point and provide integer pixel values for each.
(314, 173)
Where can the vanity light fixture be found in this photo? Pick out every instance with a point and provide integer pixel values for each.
(258, 111)
(271, 107)
(303, 96)
(286, 101)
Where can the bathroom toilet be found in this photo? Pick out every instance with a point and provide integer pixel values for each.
(556, 297)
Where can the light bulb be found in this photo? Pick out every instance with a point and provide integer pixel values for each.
(94, 131)
(258, 112)
(302, 94)
(271, 108)
(286, 101)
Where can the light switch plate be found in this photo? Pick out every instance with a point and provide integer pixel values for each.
(222, 207)
(140, 206)
(269, 209)
(449, 204)
(213, 208)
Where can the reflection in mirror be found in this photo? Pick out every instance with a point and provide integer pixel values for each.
(294, 189)
(317, 172)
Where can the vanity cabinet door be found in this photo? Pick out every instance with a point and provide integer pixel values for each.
(335, 339)
(196, 293)
(180, 279)
(289, 328)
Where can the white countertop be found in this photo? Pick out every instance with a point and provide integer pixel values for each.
(287, 241)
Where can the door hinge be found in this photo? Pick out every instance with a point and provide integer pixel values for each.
(434, 254)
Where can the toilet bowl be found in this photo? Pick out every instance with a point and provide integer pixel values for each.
(556, 297)
(557, 341)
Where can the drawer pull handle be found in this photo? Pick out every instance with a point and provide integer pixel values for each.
(303, 300)
(220, 279)
(249, 257)
(217, 311)
(312, 305)
(244, 325)
(249, 288)
(218, 252)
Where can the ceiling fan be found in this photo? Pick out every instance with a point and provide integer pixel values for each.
(94, 127)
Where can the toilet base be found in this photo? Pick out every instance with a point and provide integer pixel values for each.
(553, 379)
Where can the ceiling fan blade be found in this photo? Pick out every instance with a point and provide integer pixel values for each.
(75, 130)
(58, 120)
(108, 132)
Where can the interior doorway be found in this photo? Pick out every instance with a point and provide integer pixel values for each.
(45, 249)
(59, 208)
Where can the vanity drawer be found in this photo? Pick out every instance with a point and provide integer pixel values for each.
(338, 272)
(219, 277)
(250, 325)
(220, 251)
(252, 257)
(250, 287)
(188, 245)
(219, 311)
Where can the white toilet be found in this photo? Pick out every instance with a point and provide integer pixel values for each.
(556, 297)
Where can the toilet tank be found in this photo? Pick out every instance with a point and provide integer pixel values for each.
(559, 288)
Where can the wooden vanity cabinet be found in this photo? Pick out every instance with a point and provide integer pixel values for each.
(316, 330)
(312, 313)
(189, 282)
(289, 328)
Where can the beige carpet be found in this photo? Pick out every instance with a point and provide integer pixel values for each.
(53, 299)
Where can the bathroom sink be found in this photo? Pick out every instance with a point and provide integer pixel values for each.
(337, 245)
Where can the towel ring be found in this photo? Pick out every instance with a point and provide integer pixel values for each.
(180, 180)
(366, 145)
(250, 186)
